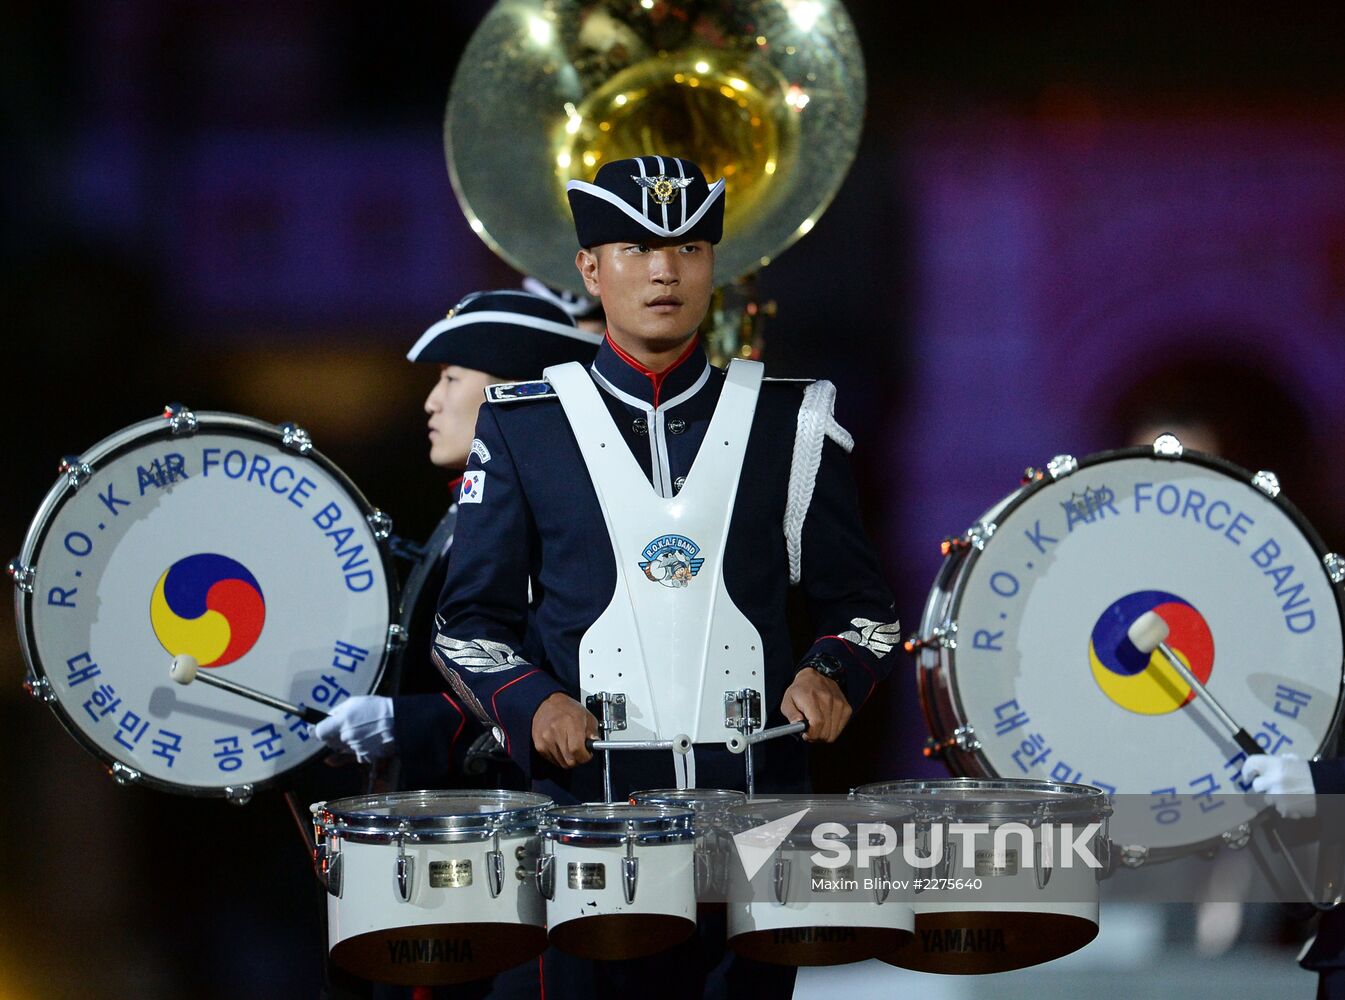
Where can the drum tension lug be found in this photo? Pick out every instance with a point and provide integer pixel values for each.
(1168, 446)
(546, 876)
(181, 420)
(238, 795)
(75, 470)
(1134, 855)
(963, 739)
(380, 524)
(39, 688)
(1268, 483)
(397, 638)
(882, 880)
(123, 775)
(1335, 567)
(953, 544)
(1041, 870)
(1238, 837)
(295, 438)
(405, 868)
(780, 878)
(1062, 465)
(23, 576)
(495, 869)
(334, 869)
(630, 872)
(940, 637)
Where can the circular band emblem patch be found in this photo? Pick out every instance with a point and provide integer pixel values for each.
(671, 560)
(1147, 685)
(208, 606)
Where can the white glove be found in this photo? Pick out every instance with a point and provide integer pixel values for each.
(1287, 779)
(361, 725)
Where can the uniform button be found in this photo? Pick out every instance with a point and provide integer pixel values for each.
(676, 425)
(640, 426)
(678, 483)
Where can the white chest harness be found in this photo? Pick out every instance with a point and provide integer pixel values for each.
(671, 640)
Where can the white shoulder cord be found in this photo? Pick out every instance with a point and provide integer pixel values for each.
(816, 423)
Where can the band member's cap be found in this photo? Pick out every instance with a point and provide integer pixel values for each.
(578, 307)
(513, 335)
(633, 200)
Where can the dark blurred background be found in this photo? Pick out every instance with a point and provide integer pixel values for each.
(1065, 223)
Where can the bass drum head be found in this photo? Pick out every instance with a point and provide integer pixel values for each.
(1044, 678)
(217, 536)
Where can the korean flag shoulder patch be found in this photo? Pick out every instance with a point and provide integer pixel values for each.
(473, 485)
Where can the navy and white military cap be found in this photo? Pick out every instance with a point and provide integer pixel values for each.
(578, 307)
(632, 200)
(510, 334)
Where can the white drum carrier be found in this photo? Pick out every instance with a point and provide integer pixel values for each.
(431, 888)
(671, 644)
(997, 898)
(618, 879)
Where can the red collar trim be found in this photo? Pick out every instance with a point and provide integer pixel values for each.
(655, 378)
(453, 486)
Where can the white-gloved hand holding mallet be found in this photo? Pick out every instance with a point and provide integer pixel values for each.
(1287, 779)
(362, 726)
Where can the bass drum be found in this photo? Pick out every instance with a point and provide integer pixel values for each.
(1026, 670)
(217, 536)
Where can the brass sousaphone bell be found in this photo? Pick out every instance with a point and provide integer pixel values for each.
(768, 94)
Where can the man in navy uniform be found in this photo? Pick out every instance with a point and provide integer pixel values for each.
(660, 510)
(488, 337)
(599, 533)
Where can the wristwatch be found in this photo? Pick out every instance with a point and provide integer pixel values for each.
(828, 666)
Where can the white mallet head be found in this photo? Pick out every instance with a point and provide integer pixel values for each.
(184, 668)
(1148, 631)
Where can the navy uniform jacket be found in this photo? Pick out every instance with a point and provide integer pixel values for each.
(433, 731)
(1328, 950)
(538, 519)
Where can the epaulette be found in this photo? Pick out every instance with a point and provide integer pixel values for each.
(519, 392)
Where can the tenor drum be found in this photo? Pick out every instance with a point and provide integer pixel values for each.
(618, 879)
(710, 808)
(792, 904)
(213, 535)
(1026, 670)
(431, 888)
(999, 885)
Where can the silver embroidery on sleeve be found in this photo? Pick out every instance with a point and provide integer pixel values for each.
(464, 693)
(877, 637)
(480, 656)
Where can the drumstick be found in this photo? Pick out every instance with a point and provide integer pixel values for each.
(185, 669)
(1149, 632)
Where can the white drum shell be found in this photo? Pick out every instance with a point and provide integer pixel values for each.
(369, 899)
(806, 907)
(665, 886)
